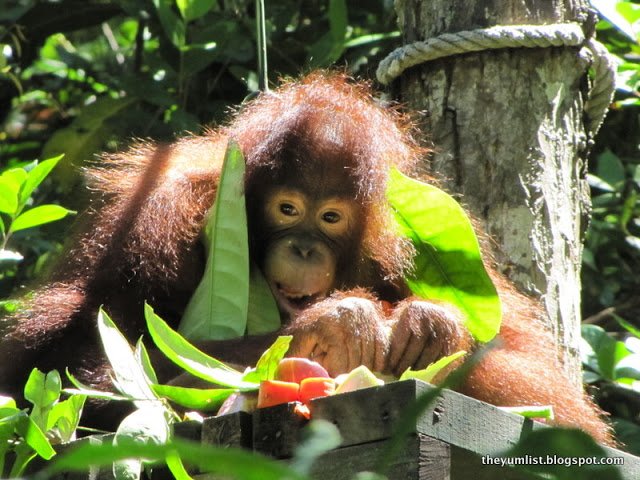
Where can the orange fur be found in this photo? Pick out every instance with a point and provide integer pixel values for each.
(139, 241)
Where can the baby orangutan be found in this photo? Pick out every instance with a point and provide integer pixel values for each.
(318, 154)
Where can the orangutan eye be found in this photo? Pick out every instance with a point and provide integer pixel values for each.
(331, 217)
(288, 210)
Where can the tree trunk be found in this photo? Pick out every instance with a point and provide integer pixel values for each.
(507, 126)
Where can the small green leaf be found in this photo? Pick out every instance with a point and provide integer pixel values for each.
(194, 9)
(269, 360)
(34, 437)
(39, 216)
(448, 262)
(182, 353)
(65, 417)
(195, 398)
(534, 411)
(43, 390)
(427, 374)
(36, 176)
(218, 308)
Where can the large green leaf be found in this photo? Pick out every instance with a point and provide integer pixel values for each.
(263, 315)
(195, 398)
(218, 308)
(448, 262)
(194, 361)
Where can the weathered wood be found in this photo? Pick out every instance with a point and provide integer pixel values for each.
(190, 430)
(509, 135)
(276, 430)
(371, 414)
(421, 457)
(473, 428)
(233, 430)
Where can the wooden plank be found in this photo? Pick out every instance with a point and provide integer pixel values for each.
(370, 414)
(233, 430)
(466, 465)
(276, 430)
(189, 430)
(420, 458)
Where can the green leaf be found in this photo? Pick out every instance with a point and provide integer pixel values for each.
(65, 417)
(36, 176)
(194, 9)
(130, 378)
(218, 308)
(610, 168)
(338, 21)
(34, 437)
(629, 327)
(173, 26)
(198, 56)
(43, 390)
(85, 136)
(8, 196)
(535, 411)
(448, 262)
(14, 178)
(269, 360)
(198, 363)
(142, 358)
(176, 467)
(603, 352)
(39, 216)
(226, 462)
(195, 398)
(263, 315)
(427, 374)
(10, 256)
(146, 426)
(609, 10)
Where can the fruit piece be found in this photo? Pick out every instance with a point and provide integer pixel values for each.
(297, 369)
(275, 392)
(314, 387)
(239, 402)
(360, 377)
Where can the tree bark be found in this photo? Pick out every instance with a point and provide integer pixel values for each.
(507, 126)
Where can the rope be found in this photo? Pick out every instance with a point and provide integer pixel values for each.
(523, 36)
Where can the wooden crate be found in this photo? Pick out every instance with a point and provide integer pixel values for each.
(447, 441)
